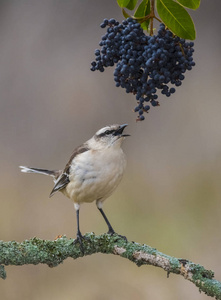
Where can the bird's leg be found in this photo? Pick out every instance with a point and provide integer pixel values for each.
(110, 228)
(79, 235)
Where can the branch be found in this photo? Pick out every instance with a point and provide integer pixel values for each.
(52, 253)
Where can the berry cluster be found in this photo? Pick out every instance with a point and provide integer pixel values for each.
(144, 64)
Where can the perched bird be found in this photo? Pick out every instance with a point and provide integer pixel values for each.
(93, 171)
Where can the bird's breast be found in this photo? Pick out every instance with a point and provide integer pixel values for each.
(95, 175)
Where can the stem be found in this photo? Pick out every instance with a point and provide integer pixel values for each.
(152, 15)
(157, 19)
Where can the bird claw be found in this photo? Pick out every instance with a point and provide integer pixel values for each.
(112, 232)
(79, 240)
(122, 237)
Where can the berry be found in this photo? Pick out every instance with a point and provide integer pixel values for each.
(141, 118)
(144, 65)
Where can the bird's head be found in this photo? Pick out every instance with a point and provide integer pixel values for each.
(110, 136)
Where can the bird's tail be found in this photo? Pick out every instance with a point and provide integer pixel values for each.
(53, 173)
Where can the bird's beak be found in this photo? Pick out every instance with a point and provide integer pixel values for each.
(120, 130)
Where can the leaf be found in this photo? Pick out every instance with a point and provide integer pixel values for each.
(123, 3)
(131, 5)
(193, 4)
(145, 25)
(176, 18)
(142, 11)
(126, 15)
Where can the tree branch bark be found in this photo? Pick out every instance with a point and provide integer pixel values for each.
(52, 253)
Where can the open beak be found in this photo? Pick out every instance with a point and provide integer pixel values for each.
(120, 130)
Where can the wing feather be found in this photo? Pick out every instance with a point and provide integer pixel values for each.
(61, 183)
(63, 179)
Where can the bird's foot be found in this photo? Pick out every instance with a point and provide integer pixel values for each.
(112, 232)
(79, 240)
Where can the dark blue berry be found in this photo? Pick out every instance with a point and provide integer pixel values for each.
(145, 65)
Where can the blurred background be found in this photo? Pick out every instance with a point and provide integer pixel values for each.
(50, 102)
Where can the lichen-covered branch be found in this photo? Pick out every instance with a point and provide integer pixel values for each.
(52, 253)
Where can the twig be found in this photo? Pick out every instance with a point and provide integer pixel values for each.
(152, 14)
(52, 253)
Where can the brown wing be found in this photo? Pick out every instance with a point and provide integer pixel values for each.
(63, 179)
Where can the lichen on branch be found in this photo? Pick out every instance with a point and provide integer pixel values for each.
(52, 253)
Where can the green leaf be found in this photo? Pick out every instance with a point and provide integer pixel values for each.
(176, 18)
(142, 11)
(123, 3)
(126, 15)
(145, 25)
(131, 5)
(193, 4)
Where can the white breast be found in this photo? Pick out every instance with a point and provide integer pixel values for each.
(95, 174)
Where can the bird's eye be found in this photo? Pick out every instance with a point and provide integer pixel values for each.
(108, 132)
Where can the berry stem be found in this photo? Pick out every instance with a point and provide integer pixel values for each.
(152, 15)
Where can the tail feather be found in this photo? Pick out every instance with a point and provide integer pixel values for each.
(53, 173)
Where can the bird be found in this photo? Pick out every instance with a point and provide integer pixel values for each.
(92, 173)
